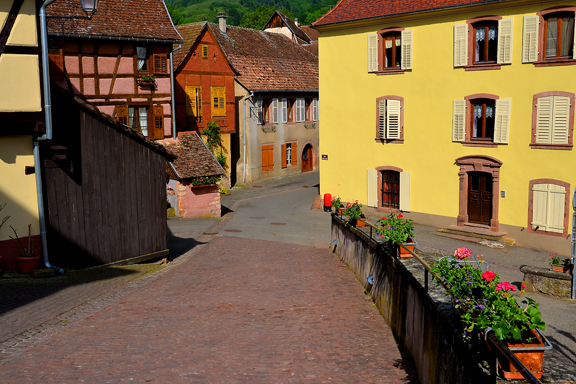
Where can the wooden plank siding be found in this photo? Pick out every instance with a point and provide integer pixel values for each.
(105, 192)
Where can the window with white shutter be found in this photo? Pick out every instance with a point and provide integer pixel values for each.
(372, 53)
(460, 45)
(530, 31)
(481, 120)
(459, 120)
(275, 111)
(549, 206)
(315, 110)
(391, 50)
(484, 42)
(505, 40)
(390, 118)
(259, 111)
(284, 111)
(300, 110)
(553, 120)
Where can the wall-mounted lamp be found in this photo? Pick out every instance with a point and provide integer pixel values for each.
(88, 6)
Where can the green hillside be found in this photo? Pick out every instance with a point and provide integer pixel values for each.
(247, 13)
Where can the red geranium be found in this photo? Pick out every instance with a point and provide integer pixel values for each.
(488, 276)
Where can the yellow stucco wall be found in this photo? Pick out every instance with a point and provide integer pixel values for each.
(20, 83)
(17, 190)
(24, 30)
(348, 93)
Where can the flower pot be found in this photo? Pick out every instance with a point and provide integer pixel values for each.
(341, 211)
(145, 82)
(410, 244)
(171, 192)
(359, 223)
(560, 268)
(530, 354)
(27, 264)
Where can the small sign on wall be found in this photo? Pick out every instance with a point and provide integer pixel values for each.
(324, 157)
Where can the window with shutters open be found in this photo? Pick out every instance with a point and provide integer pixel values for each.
(300, 110)
(481, 120)
(548, 207)
(314, 109)
(553, 120)
(289, 154)
(275, 111)
(390, 50)
(284, 111)
(260, 111)
(483, 42)
(549, 37)
(146, 118)
(390, 119)
(193, 101)
(392, 186)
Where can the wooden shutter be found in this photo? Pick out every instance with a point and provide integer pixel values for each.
(505, 40)
(556, 206)
(275, 111)
(502, 122)
(158, 124)
(56, 63)
(315, 109)
(560, 120)
(122, 114)
(406, 60)
(271, 158)
(544, 107)
(283, 155)
(530, 38)
(284, 110)
(393, 119)
(222, 101)
(372, 53)
(267, 158)
(539, 206)
(160, 63)
(382, 119)
(459, 121)
(204, 51)
(405, 203)
(191, 102)
(199, 100)
(460, 45)
(372, 187)
(294, 160)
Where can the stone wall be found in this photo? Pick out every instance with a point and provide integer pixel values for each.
(423, 322)
(548, 282)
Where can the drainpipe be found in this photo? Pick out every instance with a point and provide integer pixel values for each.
(46, 136)
(172, 89)
(245, 128)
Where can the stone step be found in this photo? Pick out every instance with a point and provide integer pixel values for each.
(477, 235)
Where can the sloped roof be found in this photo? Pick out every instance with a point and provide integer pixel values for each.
(291, 26)
(350, 10)
(311, 32)
(268, 61)
(189, 33)
(312, 48)
(144, 19)
(194, 158)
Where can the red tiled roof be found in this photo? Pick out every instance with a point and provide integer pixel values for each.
(312, 48)
(311, 32)
(194, 158)
(350, 10)
(145, 19)
(189, 33)
(268, 61)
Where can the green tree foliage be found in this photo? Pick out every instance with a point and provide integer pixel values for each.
(175, 14)
(257, 18)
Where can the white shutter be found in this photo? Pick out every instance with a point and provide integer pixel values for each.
(505, 40)
(530, 38)
(539, 206)
(407, 45)
(284, 111)
(405, 191)
(372, 53)
(314, 109)
(556, 205)
(392, 119)
(502, 123)
(372, 186)
(460, 45)
(459, 121)
(275, 111)
(382, 119)
(560, 120)
(259, 111)
(544, 107)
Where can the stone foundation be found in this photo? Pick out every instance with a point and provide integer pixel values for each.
(545, 281)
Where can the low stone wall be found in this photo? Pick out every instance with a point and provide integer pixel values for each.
(546, 281)
(425, 323)
(198, 202)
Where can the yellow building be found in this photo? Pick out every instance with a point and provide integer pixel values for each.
(21, 115)
(459, 112)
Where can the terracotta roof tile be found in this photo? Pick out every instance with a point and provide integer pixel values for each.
(312, 48)
(189, 33)
(294, 28)
(146, 19)
(194, 159)
(311, 32)
(268, 61)
(350, 10)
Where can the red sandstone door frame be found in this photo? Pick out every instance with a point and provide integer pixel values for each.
(478, 163)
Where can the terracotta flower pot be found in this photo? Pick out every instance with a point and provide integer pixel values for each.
(27, 264)
(359, 223)
(531, 358)
(410, 244)
(560, 268)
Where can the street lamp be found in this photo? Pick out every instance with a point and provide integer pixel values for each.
(89, 6)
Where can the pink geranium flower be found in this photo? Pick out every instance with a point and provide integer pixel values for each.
(462, 253)
(505, 286)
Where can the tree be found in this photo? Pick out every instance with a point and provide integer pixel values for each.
(257, 18)
(313, 16)
(175, 14)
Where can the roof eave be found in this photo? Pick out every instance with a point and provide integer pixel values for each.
(120, 38)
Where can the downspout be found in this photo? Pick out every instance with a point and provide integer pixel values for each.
(172, 89)
(251, 94)
(46, 136)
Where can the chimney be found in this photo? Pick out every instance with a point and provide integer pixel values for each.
(296, 22)
(222, 21)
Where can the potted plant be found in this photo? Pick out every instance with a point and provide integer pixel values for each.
(486, 304)
(559, 264)
(27, 261)
(353, 215)
(146, 79)
(397, 230)
(204, 181)
(1, 224)
(171, 190)
(337, 204)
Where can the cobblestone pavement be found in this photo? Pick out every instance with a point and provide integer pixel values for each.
(234, 310)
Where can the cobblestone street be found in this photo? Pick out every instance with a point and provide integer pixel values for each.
(235, 310)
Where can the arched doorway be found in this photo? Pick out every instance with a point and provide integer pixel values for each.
(307, 158)
(479, 198)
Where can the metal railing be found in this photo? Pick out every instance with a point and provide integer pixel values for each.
(498, 345)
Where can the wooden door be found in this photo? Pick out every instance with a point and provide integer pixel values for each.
(307, 164)
(479, 198)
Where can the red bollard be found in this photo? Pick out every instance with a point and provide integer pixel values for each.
(327, 202)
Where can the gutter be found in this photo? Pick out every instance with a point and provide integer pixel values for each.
(122, 38)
